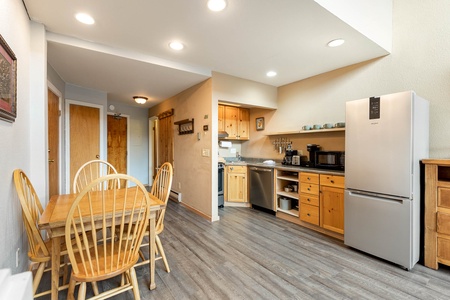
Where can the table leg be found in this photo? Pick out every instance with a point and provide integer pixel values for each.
(151, 249)
(56, 252)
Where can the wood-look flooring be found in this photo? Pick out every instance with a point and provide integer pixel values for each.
(249, 254)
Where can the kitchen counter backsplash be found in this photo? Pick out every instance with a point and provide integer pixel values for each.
(250, 161)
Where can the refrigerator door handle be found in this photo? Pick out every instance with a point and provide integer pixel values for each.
(375, 195)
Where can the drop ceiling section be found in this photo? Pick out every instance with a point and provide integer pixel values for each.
(126, 51)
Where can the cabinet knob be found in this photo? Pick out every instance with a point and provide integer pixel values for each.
(309, 200)
(332, 181)
(308, 214)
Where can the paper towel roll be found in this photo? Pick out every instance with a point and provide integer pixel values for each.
(225, 144)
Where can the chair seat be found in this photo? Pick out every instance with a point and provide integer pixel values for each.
(103, 261)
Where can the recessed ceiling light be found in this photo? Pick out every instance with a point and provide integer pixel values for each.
(217, 5)
(271, 74)
(336, 42)
(85, 18)
(176, 46)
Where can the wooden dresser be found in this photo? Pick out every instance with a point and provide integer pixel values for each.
(437, 212)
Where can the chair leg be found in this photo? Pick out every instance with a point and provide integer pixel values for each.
(134, 283)
(161, 252)
(95, 288)
(38, 276)
(82, 291)
(71, 290)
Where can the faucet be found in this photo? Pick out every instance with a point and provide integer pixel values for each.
(238, 156)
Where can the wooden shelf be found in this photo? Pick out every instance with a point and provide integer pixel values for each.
(287, 177)
(292, 212)
(307, 131)
(293, 195)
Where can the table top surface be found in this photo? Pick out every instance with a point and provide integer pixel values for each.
(55, 214)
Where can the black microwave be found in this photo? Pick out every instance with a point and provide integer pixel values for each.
(330, 160)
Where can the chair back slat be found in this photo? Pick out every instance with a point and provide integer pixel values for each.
(161, 189)
(108, 226)
(89, 172)
(31, 212)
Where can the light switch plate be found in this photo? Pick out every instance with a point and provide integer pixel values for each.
(205, 152)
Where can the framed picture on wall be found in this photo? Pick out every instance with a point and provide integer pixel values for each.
(260, 123)
(8, 82)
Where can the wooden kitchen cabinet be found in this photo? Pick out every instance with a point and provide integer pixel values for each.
(332, 202)
(437, 213)
(309, 198)
(221, 117)
(236, 184)
(236, 122)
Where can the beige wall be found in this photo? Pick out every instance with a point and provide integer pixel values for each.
(192, 170)
(237, 90)
(420, 61)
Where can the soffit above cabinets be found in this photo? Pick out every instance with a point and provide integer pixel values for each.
(126, 51)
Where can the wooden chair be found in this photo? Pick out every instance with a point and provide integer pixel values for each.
(39, 251)
(160, 189)
(89, 172)
(115, 251)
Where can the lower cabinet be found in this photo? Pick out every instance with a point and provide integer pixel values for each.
(332, 203)
(236, 184)
(320, 201)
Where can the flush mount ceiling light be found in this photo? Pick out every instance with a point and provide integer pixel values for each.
(271, 74)
(176, 46)
(217, 5)
(140, 99)
(85, 18)
(336, 42)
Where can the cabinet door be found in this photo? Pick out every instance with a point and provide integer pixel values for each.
(237, 187)
(332, 209)
(231, 121)
(244, 123)
(221, 113)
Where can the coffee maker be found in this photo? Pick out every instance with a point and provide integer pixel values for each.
(312, 149)
(287, 160)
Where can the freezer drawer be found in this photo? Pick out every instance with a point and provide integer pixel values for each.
(381, 227)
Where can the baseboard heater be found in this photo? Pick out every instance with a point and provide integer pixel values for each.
(175, 196)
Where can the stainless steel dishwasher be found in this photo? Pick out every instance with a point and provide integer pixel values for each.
(261, 188)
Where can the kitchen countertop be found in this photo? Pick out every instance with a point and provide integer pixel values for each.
(280, 166)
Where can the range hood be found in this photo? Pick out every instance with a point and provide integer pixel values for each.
(222, 134)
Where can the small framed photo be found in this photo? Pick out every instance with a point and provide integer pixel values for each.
(260, 123)
(8, 82)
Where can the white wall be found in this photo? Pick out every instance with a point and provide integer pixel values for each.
(420, 61)
(15, 151)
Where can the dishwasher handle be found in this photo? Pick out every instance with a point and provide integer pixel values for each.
(260, 169)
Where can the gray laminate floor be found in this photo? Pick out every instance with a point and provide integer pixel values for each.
(249, 254)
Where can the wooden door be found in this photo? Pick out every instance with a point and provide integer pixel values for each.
(221, 117)
(231, 121)
(84, 136)
(332, 208)
(53, 143)
(117, 143)
(244, 123)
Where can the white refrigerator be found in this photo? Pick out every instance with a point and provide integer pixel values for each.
(385, 139)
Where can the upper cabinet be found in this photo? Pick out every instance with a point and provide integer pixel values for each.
(235, 121)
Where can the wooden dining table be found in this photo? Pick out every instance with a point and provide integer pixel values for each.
(53, 220)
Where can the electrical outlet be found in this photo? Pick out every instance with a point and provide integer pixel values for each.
(17, 257)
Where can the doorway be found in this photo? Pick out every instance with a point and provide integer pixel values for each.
(117, 141)
(53, 143)
(84, 127)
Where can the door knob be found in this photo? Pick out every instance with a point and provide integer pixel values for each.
(97, 156)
